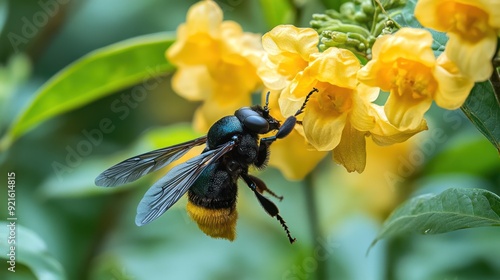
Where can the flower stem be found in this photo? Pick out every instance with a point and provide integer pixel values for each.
(312, 213)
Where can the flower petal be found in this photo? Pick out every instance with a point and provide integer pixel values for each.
(474, 60)
(293, 95)
(322, 131)
(406, 112)
(453, 87)
(376, 74)
(193, 50)
(351, 151)
(289, 48)
(361, 117)
(204, 17)
(334, 66)
(385, 133)
(288, 39)
(407, 43)
(192, 83)
(197, 38)
(270, 77)
(430, 12)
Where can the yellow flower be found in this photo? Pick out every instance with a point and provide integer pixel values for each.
(216, 63)
(472, 27)
(288, 49)
(404, 64)
(291, 155)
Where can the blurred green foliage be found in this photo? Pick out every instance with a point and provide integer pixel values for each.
(67, 228)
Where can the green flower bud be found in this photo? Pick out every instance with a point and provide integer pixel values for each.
(333, 14)
(360, 17)
(347, 8)
(367, 8)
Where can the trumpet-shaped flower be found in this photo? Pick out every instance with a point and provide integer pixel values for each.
(404, 64)
(288, 49)
(472, 27)
(216, 63)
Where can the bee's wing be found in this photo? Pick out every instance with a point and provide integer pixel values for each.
(133, 168)
(170, 188)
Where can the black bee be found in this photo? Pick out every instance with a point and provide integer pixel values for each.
(210, 179)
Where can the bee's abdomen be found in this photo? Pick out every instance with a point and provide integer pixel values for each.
(222, 202)
(212, 202)
(217, 223)
(214, 189)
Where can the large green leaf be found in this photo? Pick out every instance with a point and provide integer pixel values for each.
(31, 251)
(483, 109)
(95, 75)
(451, 210)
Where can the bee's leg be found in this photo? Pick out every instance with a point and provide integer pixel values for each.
(262, 155)
(261, 187)
(267, 204)
(289, 123)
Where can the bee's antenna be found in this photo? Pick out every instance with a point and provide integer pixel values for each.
(266, 107)
(283, 224)
(301, 110)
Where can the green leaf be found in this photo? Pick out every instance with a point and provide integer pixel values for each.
(30, 250)
(94, 76)
(482, 159)
(407, 19)
(277, 12)
(483, 109)
(451, 210)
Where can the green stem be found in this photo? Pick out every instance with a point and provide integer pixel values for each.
(312, 213)
(374, 21)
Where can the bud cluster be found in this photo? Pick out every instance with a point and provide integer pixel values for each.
(356, 25)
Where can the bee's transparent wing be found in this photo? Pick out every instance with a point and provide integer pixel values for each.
(134, 168)
(170, 188)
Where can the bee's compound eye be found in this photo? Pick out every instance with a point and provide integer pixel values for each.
(256, 124)
(252, 120)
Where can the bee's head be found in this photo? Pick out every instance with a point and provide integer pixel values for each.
(257, 118)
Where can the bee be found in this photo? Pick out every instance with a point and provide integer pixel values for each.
(210, 179)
